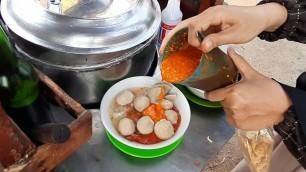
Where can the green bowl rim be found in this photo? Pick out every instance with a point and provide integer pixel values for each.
(143, 153)
(197, 100)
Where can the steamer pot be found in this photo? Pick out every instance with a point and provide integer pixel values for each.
(86, 46)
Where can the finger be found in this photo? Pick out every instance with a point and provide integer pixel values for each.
(239, 116)
(226, 103)
(183, 24)
(196, 27)
(253, 123)
(220, 38)
(229, 116)
(193, 38)
(204, 23)
(233, 109)
(228, 111)
(242, 65)
(230, 120)
(217, 95)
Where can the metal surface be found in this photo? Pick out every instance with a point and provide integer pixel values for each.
(88, 86)
(123, 24)
(77, 62)
(194, 152)
(78, 8)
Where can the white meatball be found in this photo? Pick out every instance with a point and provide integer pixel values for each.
(154, 94)
(145, 125)
(166, 104)
(141, 103)
(125, 97)
(171, 97)
(171, 116)
(163, 129)
(126, 127)
(165, 86)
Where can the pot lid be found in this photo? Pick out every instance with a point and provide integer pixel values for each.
(83, 26)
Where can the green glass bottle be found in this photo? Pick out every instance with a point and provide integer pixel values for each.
(22, 98)
(18, 79)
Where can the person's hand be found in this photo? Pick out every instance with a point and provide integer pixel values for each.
(253, 103)
(230, 24)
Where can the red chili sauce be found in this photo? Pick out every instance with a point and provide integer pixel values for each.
(151, 138)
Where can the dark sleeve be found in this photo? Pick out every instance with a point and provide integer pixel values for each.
(293, 137)
(293, 127)
(294, 29)
(298, 98)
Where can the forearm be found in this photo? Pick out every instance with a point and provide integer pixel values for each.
(276, 15)
(293, 28)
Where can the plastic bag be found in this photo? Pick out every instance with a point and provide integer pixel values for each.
(257, 147)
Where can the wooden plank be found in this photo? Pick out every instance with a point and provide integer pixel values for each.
(73, 107)
(48, 156)
(14, 144)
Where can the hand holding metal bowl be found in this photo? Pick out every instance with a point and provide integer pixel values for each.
(215, 70)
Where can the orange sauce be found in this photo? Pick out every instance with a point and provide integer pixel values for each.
(151, 138)
(134, 115)
(176, 126)
(155, 112)
(181, 64)
(144, 139)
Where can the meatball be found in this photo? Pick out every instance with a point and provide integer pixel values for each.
(141, 103)
(126, 127)
(145, 125)
(167, 104)
(125, 97)
(163, 129)
(171, 116)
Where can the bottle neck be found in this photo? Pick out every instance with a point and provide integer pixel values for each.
(8, 59)
(174, 5)
(172, 14)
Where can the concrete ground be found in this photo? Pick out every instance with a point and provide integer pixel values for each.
(282, 60)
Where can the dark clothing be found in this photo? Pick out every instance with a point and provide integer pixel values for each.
(295, 141)
(293, 128)
(294, 28)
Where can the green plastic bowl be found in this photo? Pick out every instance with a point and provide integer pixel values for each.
(141, 153)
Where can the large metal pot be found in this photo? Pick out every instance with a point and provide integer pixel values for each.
(88, 46)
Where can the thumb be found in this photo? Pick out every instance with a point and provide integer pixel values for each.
(168, 36)
(242, 65)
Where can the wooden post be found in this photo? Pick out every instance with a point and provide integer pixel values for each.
(14, 144)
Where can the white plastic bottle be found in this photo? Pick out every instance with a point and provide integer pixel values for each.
(170, 17)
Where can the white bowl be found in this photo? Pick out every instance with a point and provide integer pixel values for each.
(197, 92)
(180, 103)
